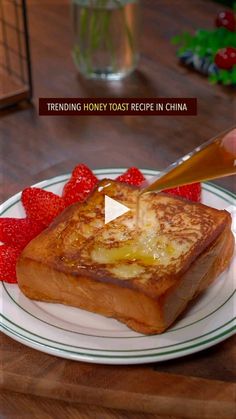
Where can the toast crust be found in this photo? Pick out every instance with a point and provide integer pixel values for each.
(138, 311)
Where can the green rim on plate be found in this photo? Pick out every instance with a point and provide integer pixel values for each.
(150, 354)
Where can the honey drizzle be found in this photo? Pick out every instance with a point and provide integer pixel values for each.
(213, 161)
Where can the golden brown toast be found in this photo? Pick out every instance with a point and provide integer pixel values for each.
(143, 275)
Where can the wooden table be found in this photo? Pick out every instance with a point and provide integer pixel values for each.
(36, 385)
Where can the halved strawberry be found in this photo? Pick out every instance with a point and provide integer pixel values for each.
(18, 232)
(132, 176)
(81, 183)
(41, 205)
(191, 192)
(8, 258)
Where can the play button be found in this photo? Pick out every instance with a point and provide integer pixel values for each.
(113, 209)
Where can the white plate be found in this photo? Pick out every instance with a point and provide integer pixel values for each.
(76, 334)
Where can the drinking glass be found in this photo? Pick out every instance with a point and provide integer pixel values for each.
(105, 37)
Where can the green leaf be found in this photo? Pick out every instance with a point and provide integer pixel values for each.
(233, 75)
(213, 78)
(224, 76)
(181, 51)
(176, 39)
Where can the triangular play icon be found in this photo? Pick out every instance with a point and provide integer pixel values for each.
(113, 209)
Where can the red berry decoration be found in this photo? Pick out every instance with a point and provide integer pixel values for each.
(8, 258)
(226, 19)
(226, 58)
(18, 232)
(132, 176)
(76, 191)
(190, 192)
(42, 206)
(80, 185)
(81, 171)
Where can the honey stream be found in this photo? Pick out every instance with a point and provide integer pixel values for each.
(214, 159)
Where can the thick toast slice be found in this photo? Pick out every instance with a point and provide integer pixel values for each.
(141, 274)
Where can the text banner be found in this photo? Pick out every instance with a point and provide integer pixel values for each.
(118, 106)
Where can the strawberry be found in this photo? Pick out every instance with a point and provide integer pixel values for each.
(41, 205)
(226, 19)
(81, 171)
(191, 192)
(225, 58)
(81, 183)
(132, 176)
(18, 232)
(8, 258)
(77, 190)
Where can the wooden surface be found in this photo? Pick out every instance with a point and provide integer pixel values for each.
(37, 385)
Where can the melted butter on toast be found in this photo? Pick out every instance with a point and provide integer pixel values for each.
(147, 249)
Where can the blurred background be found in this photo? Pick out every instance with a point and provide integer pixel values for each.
(38, 60)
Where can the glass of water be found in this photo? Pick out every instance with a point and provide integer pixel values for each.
(105, 37)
